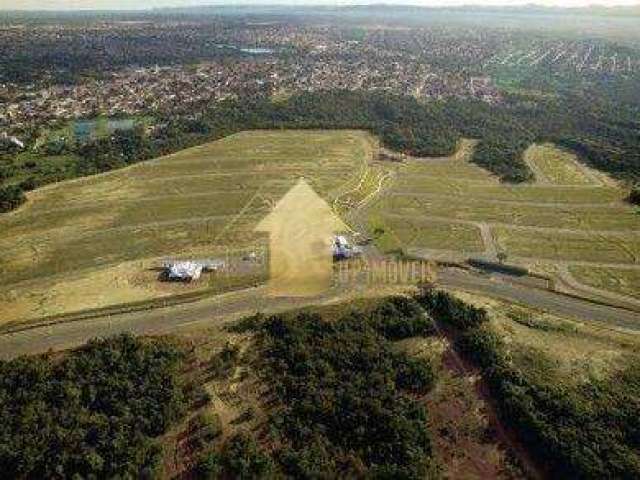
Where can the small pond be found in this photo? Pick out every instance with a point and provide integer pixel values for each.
(86, 129)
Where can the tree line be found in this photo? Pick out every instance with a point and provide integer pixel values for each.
(586, 431)
(603, 134)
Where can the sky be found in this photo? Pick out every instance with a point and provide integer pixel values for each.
(145, 4)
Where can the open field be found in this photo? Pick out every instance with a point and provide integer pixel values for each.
(95, 241)
(394, 232)
(571, 216)
(563, 245)
(556, 166)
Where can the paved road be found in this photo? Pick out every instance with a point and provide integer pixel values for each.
(216, 310)
(498, 286)
(202, 314)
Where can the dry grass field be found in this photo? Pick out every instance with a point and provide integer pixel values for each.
(571, 217)
(95, 241)
(98, 241)
(578, 351)
(553, 165)
(620, 280)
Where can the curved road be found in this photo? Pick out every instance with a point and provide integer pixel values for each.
(223, 308)
(499, 286)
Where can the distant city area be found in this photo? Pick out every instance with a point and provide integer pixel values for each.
(148, 68)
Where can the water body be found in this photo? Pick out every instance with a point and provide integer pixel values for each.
(257, 51)
(86, 129)
(250, 50)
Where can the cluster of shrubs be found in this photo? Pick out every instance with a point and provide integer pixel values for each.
(94, 413)
(451, 310)
(204, 429)
(504, 157)
(586, 431)
(240, 457)
(223, 362)
(397, 317)
(11, 196)
(634, 195)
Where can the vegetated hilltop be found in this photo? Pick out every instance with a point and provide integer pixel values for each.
(337, 400)
(571, 395)
(359, 389)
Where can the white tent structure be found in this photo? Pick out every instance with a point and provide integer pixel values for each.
(184, 271)
(187, 270)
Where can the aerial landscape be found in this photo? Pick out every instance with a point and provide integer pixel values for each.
(253, 240)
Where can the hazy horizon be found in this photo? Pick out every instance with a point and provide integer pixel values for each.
(54, 5)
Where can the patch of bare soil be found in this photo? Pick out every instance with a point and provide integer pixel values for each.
(235, 399)
(466, 442)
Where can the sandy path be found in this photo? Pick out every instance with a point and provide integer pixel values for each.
(505, 436)
(491, 250)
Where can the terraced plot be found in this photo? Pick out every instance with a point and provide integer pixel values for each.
(625, 281)
(571, 217)
(556, 244)
(93, 242)
(554, 165)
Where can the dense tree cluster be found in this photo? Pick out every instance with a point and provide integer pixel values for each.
(240, 457)
(343, 403)
(451, 310)
(346, 397)
(116, 151)
(590, 430)
(93, 413)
